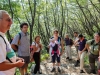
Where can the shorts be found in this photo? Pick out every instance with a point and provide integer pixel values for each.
(54, 57)
(26, 59)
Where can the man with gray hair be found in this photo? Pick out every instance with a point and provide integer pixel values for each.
(7, 55)
(68, 43)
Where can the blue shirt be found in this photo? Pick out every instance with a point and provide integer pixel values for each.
(67, 41)
(81, 44)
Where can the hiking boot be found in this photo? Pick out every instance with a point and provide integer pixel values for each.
(40, 72)
(67, 58)
(93, 71)
(77, 63)
(53, 70)
(70, 59)
(59, 69)
(81, 71)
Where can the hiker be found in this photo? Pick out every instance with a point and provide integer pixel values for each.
(21, 40)
(37, 47)
(81, 52)
(56, 50)
(75, 41)
(68, 43)
(7, 66)
(93, 47)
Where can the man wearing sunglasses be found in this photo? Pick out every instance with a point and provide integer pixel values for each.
(7, 67)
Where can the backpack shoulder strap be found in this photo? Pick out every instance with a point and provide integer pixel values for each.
(59, 39)
(4, 40)
(19, 36)
(6, 48)
(92, 42)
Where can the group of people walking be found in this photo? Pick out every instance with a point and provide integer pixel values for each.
(21, 44)
(84, 47)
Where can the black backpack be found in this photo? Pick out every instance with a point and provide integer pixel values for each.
(92, 43)
(17, 43)
(71, 42)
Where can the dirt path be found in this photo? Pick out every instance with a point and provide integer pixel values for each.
(67, 67)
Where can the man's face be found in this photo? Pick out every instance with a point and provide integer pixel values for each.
(67, 36)
(80, 38)
(75, 35)
(5, 22)
(97, 37)
(24, 28)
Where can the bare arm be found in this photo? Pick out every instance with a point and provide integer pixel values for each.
(35, 48)
(7, 65)
(40, 45)
(86, 47)
(75, 43)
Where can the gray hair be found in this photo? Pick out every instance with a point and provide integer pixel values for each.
(2, 12)
(66, 35)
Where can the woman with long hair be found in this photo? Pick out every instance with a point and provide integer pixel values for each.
(36, 56)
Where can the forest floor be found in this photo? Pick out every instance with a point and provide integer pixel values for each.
(67, 67)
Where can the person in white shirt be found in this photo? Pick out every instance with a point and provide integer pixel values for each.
(75, 41)
(76, 44)
(7, 67)
(36, 56)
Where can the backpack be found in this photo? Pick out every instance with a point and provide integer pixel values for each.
(19, 38)
(71, 42)
(6, 47)
(92, 43)
(18, 42)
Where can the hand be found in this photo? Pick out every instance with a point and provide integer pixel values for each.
(19, 63)
(40, 45)
(81, 52)
(20, 59)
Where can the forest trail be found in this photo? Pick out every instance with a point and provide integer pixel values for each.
(67, 67)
